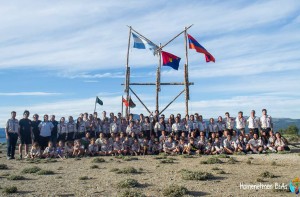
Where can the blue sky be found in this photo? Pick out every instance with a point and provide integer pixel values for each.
(56, 57)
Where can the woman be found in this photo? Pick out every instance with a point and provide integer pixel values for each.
(45, 132)
(71, 129)
(147, 127)
(280, 143)
(62, 129)
(81, 128)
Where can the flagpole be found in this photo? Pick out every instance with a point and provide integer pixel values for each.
(186, 73)
(127, 80)
(143, 36)
(158, 79)
(95, 105)
(122, 105)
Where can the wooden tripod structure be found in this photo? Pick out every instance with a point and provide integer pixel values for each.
(186, 82)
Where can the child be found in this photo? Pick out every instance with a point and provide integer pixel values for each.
(78, 149)
(68, 150)
(255, 144)
(126, 146)
(181, 146)
(49, 151)
(117, 146)
(217, 147)
(242, 146)
(271, 142)
(93, 148)
(229, 145)
(135, 148)
(85, 141)
(156, 147)
(169, 146)
(145, 146)
(280, 144)
(208, 147)
(106, 148)
(192, 148)
(35, 151)
(60, 149)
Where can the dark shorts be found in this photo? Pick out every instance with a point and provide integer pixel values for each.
(25, 138)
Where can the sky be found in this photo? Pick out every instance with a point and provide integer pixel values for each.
(57, 56)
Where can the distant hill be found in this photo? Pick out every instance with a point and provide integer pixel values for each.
(279, 123)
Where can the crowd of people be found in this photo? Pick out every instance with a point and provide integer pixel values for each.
(90, 135)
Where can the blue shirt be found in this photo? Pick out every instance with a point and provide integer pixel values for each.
(46, 128)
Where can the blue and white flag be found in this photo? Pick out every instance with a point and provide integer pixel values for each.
(141, 43)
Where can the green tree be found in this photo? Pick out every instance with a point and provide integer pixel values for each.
(292, 130)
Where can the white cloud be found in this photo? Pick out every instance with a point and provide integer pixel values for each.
(29, 93)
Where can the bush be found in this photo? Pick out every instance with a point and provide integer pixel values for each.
(222, 156)
(221, 172)
(3, 167)
(212, 160)
(232, 160)
(187, 156)
(94, 167)
(45, 172)
(10, 190)
(260, 180)
(84, 178)
(127, 170)
(168, 160)
(248, 161)
(31, 170)
(130, 158)
(274, 163)
(291, 130)
(175, 191)
(215, 168)
(128, 183)
(131, 193)
(267, 174)
(198, 175)
(98, 160)
(160, 157)
(15, 177)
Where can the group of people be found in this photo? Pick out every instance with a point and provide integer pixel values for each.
(117, 135)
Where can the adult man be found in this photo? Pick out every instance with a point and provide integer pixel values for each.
(159, 127)
(240, 123)
(256, 145)
(230, 145)
(54, 130)
(25, 133)
(221, 126)
(176, 127)
(212, 127)
(253, 123)
(266, 123)
(114, 126)
(45, 132)
(11, 131)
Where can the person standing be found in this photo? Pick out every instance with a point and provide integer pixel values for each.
(240, 123)
(35, 128)
(11, 130)
(45, 132)
(253, 123)
(229, 122)
(266, 123)
(54, 131)
(25, 133)
(221, 126)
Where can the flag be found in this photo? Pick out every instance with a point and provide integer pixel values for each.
(170, 60)
(130, 104)
(141, 43)
(193, 44)
(99, 101)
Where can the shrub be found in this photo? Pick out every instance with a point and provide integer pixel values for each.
(114, 170)
(212, 160)
(45, 172)
(127, 170)
(187, 156)
(231, 160)
(197, 175)
(10, 190)
(128, 183)
(267, 174)
(274, 163)
(260, 180)
(221, 172)
(94, 167)
(3, 167)
(84, 178)
(168, 160)
(130, 158)
(216, 168)
(98, 160)
(222, 156)
(175, 191)
(248, 161)
(160, 157)
(15, 177)
(31, 170)
(131, 193)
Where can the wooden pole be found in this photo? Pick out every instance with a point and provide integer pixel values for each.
(186, 74)
(127, 80)
(160, 47)
(158, 80)
(95, 105)
(142, 36)
(122, 105)
(172, 101)
(140, 100)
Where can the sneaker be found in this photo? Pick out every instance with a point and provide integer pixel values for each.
(20, 157)
(26, 156)
(250, 152)
(8, 158)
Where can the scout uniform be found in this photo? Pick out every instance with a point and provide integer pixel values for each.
(71, 131)
(12, 128)
(62, 131)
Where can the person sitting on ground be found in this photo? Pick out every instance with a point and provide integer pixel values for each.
(256, 145)
(93, 148)
(106, 148)
(229, 145)
(49, 151)
(135, 148)
(169, 146)
(68, 149)
(78, 149)
(117, 146)
(280, 144)
(217, 147)
(192, 148)
(35, 151)
(60, 149)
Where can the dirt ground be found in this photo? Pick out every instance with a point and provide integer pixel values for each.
(153, 175)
